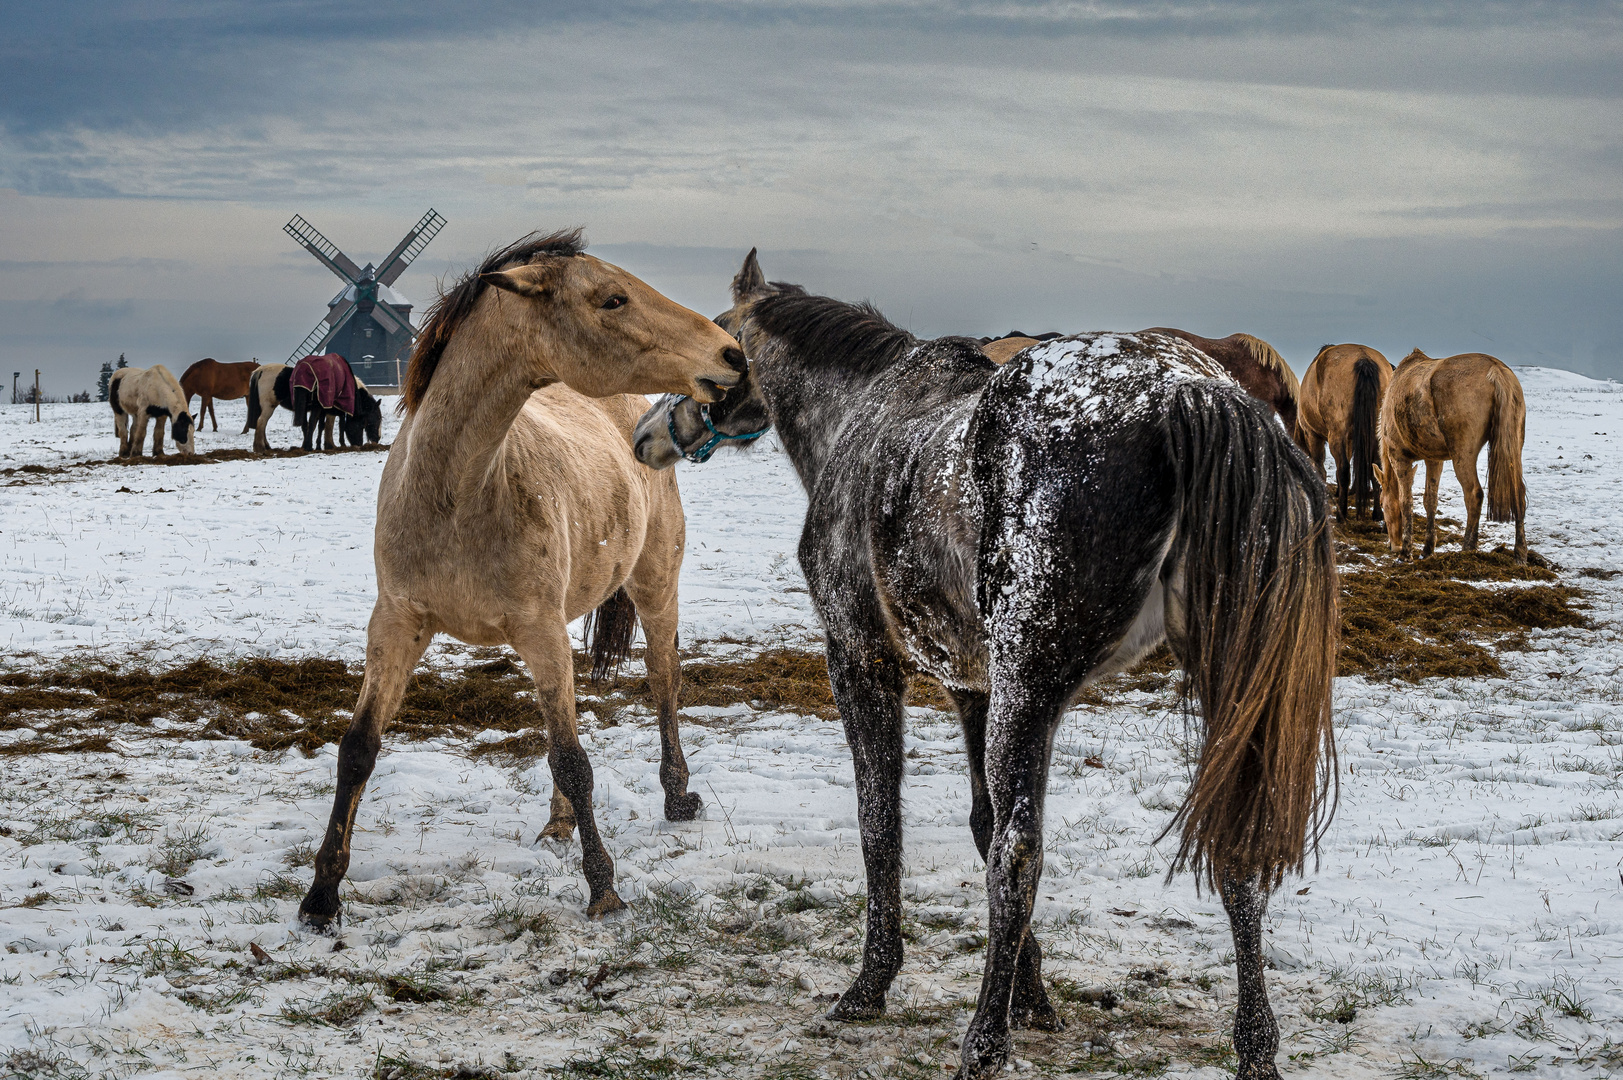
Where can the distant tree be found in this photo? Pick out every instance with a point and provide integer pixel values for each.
(105, 379)
(121, 361)
(81, 398)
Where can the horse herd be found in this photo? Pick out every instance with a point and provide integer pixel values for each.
(1012, 529)
(318, 390)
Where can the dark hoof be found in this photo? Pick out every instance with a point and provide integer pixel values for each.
(320, 912)
(684, 807)
(1037, 1018)
(985, 1054)
(857, 1004)
(607, 904)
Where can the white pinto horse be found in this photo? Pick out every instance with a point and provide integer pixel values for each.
(141, 394)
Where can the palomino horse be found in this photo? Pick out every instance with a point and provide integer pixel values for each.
(510, 505)
(1444, 410)
(1341, 407)
(1015, 533)
(141, 394)
(212, 379)
(1255, 364)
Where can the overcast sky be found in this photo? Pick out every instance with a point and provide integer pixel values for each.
(1441, 175)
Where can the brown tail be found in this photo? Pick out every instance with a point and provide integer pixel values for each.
(1259, 644)
(1363, 438)
(608, 633)
(1507, 495)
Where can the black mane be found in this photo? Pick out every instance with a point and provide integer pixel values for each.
(456, 303)
(827, 331)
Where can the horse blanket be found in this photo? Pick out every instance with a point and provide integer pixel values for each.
(329, 376)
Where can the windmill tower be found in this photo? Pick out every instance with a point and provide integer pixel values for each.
(367, 323)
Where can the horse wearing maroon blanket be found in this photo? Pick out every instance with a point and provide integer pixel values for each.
(319, 387)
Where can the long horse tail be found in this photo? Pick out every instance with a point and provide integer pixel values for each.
(1507, 494)
(1363, 431)
(1258, 640)
(254, 408)
(608, 632)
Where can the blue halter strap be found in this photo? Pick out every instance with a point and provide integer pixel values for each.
(702, 454)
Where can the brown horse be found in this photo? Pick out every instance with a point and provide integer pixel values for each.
(1341, 406)
(1444, 410)
(212, 379)
(1254, 364)
(511, 505)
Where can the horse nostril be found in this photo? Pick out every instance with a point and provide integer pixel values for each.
(735, 360)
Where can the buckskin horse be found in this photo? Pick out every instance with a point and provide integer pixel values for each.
(1016, 533)
(1341, 408)
(1445, 409)
(510, 505)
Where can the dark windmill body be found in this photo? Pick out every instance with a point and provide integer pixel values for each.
(367, 323)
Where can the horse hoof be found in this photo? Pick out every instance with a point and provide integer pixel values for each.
(1256, 1070)
(855, 1005)
(557, 829)
(1037, 1018)
(684, 807)
(985, 1054)
(320, 914)
(607, 904)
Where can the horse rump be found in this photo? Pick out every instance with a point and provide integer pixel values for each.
(1363, 432)
(1257, 641)
(608, 632)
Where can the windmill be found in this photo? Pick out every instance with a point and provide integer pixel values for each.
(367, 323)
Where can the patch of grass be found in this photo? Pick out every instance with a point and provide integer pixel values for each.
(338, 1009)
(21, 1064)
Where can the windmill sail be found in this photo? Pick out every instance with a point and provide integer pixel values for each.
(312, 341)
(411, 246)
(310, 238)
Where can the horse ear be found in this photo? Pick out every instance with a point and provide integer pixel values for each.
(750, 280)
(534, 280)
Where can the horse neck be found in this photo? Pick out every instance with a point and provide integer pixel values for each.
(810, 407)
(459, 431)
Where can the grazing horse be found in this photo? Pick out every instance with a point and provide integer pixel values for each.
(262, 401)
(141, 394)
(1445, 410)
(510, 505)
(212, 379)
(1016, 533)
(321, 388)
(1341, 406)
(1255, 364)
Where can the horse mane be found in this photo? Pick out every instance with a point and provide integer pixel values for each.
(455, 304)
(1415, 354)
(1267, 356)
(831, 332)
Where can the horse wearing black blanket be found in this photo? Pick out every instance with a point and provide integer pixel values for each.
(1016, 533)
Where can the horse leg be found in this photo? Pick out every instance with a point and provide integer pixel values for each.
(1465, 473)
(208, 407)
(1026, 702)
(1256, 1033)
(121, 428)
(326, 431)
(138, 434)
(157, 436)
(1029, 1005)
(868, 685)
(310, 423)
(1315, 450)
(1434, 475)
(656, 610)
(544, 647)
(396, 638)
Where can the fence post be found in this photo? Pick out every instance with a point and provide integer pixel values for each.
(36, 395)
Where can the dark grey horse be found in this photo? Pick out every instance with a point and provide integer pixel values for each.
(1016, 533)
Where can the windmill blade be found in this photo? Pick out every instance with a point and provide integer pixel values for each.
(410, 246)
(310, 238)
(312, 341)
(337, 315)
(392, 322)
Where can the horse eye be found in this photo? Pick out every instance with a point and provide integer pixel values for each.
(614, 302)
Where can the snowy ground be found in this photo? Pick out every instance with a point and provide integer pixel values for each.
(1467, 918)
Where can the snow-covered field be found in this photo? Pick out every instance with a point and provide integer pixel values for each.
(1467, 918)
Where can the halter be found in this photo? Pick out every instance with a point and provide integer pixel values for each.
(702, 454)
